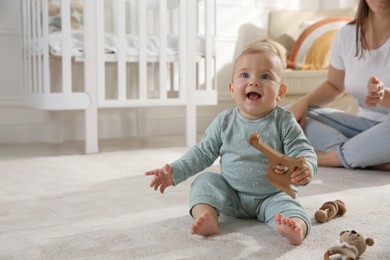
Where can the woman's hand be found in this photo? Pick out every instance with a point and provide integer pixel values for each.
(162, 178)
(375, 91)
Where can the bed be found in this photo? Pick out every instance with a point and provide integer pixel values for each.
(95, 54)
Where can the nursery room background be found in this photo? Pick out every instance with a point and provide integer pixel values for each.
(234, 25)
(84, 113)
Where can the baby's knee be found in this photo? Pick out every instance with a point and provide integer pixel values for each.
(209, 188)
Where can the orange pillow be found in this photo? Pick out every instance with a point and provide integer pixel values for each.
(311, 51)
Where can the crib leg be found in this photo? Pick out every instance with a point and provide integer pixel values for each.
(191, 137)
(90, 78)
(141, 124)
(191, 77)
(56, 127)
(91, 133)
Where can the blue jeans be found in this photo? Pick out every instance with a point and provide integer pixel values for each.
(360, 142)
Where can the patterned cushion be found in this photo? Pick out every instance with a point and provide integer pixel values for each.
(311, 51)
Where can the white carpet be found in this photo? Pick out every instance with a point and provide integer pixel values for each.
(101, 207)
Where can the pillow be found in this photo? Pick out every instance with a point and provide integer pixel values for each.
(76, 15)
(311, 50)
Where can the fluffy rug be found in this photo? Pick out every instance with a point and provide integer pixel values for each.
(100, 206)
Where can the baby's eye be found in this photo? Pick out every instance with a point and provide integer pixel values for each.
(245, 75)
(265, 76)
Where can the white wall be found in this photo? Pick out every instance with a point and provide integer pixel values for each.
(238, 21)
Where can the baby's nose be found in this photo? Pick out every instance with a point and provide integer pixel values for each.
(254, 82)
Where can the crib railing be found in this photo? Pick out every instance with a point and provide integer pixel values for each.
(141, 98)
(97, 78)
(37, 90)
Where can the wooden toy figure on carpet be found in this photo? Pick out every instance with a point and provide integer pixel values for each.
(329, 210)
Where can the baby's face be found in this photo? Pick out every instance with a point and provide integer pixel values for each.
(256, 84)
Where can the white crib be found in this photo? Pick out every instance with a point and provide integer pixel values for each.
(130, 53)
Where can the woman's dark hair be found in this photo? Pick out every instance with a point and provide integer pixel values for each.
(360, 17)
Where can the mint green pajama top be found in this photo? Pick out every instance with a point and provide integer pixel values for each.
(241, 165)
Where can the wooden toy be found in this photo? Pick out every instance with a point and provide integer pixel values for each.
(281, 181)
(329, 210)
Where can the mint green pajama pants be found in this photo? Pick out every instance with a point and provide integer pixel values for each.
(212, 189)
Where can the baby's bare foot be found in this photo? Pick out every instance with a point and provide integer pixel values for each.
(293, 229)
(205, 225)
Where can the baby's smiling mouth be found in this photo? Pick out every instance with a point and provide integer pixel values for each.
(253, 96)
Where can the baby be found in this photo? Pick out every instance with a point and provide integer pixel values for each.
(242, 188)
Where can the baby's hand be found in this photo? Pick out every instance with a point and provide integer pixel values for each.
(301, 175)
(162, 178)
(375, 93)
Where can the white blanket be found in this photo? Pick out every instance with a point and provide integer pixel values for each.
(111, 44)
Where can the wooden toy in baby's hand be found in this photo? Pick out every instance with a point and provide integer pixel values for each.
(282, 180)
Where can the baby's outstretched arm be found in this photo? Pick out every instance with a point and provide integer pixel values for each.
(162, 178)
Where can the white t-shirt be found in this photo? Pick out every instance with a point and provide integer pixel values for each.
(358, 71)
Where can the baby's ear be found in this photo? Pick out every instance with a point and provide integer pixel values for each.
(282, 92)
(231, 88)
(342, 232)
